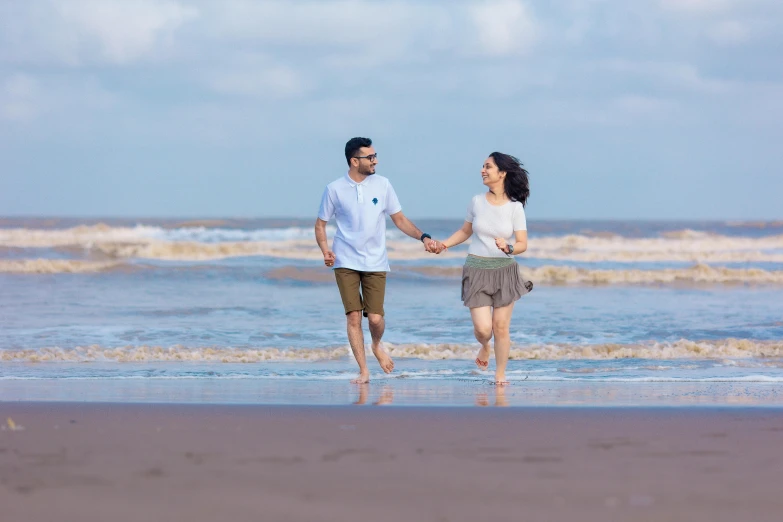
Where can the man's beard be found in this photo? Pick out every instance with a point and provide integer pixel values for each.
(367, 172)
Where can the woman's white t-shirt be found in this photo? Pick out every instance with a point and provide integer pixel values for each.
(491, 221)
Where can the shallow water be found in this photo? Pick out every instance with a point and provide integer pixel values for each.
(617, 305)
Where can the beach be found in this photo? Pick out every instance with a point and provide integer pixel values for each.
(127, 462)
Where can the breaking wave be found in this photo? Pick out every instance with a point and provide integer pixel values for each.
(202, 243)
(86, 235)
(682, 349)
(699, 273)
(59, 266)
(682, 246)
(544, 275)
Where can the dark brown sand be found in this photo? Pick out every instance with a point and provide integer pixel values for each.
(106, 462)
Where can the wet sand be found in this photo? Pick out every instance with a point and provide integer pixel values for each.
(123, 462)
(474, 390)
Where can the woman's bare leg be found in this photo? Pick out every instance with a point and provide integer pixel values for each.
(501, 324)
(482, 329)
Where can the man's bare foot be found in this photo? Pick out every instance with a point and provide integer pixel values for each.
(482, 361)
(364, 391)
(364, 378)
(383, 358)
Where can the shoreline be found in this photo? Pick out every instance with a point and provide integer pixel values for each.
(394, 391)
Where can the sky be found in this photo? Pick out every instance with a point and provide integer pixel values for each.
(644, 109)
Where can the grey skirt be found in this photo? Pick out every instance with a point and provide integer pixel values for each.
(492, 282)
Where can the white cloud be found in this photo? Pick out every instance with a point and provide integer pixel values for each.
(275, 81)
(79, 32)
(628, 110)
(504, 27)
(681, 76)
(55, 104)
(729, 32)
(340, 32)
(373, 33)
(281, 54)
(699, 6)
(124, 30)
(20, 98)
(648, 106)
(725, 22)
(351, 24)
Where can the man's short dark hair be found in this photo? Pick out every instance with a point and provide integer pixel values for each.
(353, 146)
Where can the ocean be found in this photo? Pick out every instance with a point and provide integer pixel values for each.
(243, 311)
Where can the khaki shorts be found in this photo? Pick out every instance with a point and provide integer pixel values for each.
(373, 290)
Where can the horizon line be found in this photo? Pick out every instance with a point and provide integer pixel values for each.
(776, 221)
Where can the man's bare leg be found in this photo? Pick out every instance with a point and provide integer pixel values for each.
(377, 327)
(356, 340)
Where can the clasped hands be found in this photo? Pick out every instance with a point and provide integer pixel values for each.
(433, 246)
(436, 247)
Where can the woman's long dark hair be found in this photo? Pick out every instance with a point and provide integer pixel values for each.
(516, 183)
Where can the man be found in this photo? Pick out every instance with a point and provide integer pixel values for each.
(360, 201)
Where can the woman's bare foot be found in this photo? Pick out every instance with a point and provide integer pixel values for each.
(387, 396)
(383, 358)
(500, 395)
(500, 379)
(363, 378)
(482, 361)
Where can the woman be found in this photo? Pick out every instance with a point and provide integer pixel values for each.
(491, 281)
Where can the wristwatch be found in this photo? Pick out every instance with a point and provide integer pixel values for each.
(510, 249)
(425, 235)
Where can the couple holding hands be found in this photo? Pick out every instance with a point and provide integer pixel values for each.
(491, 283)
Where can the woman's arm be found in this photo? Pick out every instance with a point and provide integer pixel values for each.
(520, 243)
(460, 236)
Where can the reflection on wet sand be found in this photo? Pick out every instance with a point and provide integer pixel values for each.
(482, 397)
(525, 394)
(397, 392)
(386, 396)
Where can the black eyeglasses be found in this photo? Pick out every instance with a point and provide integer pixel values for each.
(368, 157)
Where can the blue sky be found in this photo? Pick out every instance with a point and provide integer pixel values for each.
(667, 109)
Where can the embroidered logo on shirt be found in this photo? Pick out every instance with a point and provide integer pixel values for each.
(374, 201)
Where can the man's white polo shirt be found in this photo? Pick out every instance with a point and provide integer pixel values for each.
(361, 210)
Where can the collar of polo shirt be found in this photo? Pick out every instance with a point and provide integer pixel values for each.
(358, 186)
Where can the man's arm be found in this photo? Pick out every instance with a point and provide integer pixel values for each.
(406, 225)
(323, 242)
